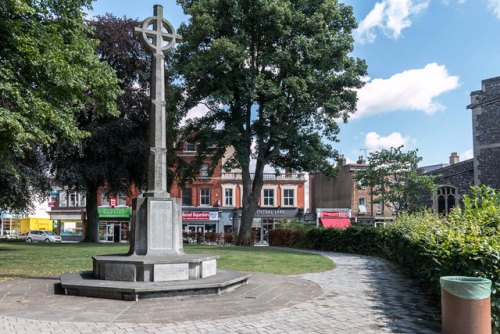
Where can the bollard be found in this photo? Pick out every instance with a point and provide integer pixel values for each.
(465, 305)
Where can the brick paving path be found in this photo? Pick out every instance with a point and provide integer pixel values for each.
(361, 295)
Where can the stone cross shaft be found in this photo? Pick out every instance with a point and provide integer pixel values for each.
(158, 36)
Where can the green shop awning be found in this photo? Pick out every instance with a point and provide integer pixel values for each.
(114, 212)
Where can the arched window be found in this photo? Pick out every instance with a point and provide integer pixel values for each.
(446, 199)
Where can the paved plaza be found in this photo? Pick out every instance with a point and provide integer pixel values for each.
(361, 295)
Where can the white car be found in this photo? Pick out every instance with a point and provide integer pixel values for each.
(42, 236)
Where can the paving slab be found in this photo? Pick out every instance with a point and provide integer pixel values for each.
(361, 295)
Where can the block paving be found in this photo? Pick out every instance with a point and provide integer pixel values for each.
(361, 295)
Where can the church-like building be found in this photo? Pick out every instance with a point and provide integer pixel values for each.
(456, 179)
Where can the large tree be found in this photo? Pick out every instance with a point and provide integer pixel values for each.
(114, 156)
(276, 76)
(395, 181)
(48, 74)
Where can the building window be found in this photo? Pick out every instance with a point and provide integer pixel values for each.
(378, 208)
(190, 147)
(205, 197)
(228, 199)
(105, 198)
(446, 199)
(63, 199)
(204, 170)
(288, 197)
(82, 199)
(72, 200)
(268, 197)
(362, 206)
(187, 197)
(121, 199)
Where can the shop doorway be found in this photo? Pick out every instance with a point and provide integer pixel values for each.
(196, 228)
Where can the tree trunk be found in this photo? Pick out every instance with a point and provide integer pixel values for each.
(92, 230)
(251, 195)
(245, 233)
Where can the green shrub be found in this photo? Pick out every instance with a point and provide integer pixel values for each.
(427, 246)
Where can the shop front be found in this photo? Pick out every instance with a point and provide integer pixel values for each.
(200, 221)
(266, 220)
(10, 224)
(114, 224)
(68, 224)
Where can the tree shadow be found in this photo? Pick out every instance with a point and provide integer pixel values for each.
(400, 299)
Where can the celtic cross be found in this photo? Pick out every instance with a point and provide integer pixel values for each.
(158, 39)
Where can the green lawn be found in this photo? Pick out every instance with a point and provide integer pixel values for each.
(21, 260)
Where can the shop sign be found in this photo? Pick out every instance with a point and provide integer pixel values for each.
(114, 212)
(341, 214)
(271, 213)
(200, 215)
(309, 217)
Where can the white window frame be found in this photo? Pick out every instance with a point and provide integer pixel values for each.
(82, 199)
(265, 188)
(378, 208)
(188, 144)
(121, 199)
(289, 187)
(63, 199)
(204, 170)
(231, 187)
(201, 196)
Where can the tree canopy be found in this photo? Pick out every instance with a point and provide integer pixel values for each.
(114, 155)
(394, 180)
(276, 75)
(49, 73)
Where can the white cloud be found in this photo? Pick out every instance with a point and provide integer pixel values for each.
(199, 111)
(469, 154)
(376, 142)
(413, 89)
(494, 6)
(389, 17)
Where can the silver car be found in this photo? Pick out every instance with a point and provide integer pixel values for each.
(42, 236)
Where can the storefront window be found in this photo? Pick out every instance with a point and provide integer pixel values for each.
(71, 228)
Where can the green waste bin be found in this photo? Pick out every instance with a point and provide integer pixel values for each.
(465, 305)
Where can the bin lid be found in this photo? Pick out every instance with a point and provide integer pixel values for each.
(472, 288)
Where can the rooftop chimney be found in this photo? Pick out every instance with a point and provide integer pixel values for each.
(342, 160)
(361, 160)
(454, 158)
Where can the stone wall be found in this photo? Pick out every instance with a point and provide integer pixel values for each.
(485, 106)
(460, 175)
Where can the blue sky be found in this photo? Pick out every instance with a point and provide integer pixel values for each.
(424, 59)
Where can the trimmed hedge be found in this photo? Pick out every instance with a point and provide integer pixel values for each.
(427, 246)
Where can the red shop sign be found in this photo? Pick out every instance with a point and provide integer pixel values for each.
(195, 215)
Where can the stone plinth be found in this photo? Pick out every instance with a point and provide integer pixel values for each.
(133, 268)
(84, 284)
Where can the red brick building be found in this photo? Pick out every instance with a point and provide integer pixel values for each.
(212, 203)
(344, 192)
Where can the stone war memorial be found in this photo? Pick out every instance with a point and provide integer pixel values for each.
(156, 265)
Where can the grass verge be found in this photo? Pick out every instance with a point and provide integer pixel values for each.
(22, 260)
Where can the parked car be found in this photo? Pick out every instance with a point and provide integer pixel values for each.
(42, 236)
(22, 236)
